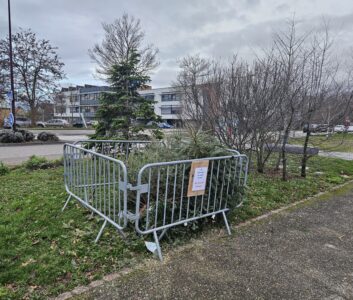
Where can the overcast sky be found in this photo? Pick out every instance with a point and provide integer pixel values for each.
(212, 28)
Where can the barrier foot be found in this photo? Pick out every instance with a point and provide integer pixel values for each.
(226, 222)
(100, 231)
(67, 201)
(159, 252)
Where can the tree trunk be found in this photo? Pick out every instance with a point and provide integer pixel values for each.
(33, 115)
(284, 154)
(260, 161)
(305, 154)
(279, 156)
(278, 161)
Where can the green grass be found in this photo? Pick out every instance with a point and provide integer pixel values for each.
(44, 252)
(267, 192)
(339, 142)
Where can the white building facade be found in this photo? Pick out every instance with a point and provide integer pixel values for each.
(83, 101)
(167, 103)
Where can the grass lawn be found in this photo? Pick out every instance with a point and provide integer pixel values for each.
(339, 142)
(44, 252)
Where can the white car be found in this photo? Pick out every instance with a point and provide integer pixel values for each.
(349, 129)
(54, 123)
(339, 128)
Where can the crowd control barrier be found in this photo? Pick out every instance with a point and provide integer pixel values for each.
(165, 194)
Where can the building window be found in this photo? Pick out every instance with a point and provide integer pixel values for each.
(170, 97)
(149, 97)
(74, 109)
(85, 97)
(170, 110)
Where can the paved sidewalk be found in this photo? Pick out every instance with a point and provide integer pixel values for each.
(16, 154)
(301, 253)
(341, 155)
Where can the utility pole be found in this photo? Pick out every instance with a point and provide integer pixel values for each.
(13, 106)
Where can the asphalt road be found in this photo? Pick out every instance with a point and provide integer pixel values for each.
(13, 155)
(16, 154)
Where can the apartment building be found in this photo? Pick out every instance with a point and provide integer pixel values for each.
(75, 103)
(167, 103)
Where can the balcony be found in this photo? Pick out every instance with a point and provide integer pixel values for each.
(171, 97)
(89, 114)
(170, 110)
(90, 102)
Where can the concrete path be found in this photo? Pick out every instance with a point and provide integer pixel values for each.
(301, 253)
(341, 155)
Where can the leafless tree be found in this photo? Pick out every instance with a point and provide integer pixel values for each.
(37, 68)
(256, 105)
(288, 46)
(237, 102)
(316, 82)
(122, 37)
(191, 82)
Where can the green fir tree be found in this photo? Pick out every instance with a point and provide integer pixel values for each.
(123, 113)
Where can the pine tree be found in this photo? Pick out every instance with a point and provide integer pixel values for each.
(122, 107)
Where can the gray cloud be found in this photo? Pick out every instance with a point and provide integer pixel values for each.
(216, 28)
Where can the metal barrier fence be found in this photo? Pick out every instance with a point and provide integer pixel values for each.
(119, 149)
(98, 182)
(164, 196)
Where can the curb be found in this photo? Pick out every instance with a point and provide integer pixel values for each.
(32, 144)
(110, 277)
(83, 289)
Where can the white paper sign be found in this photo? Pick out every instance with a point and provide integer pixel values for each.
(200, 176)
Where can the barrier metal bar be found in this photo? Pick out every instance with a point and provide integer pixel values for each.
(98, 182)
(114, 148)
(162, 193)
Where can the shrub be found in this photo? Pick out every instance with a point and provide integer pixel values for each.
(11, 137)
(36, 162)
(27, 135)
(196, 144)
(39, 162)
(3, 169)
(19, 136)
(47, 136)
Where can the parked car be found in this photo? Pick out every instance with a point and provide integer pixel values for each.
(54, 123)
(40, 124)
(349, 129)
(322, 128)
(78, 124)
(20, 122)
(164, 125)
(340, 128)
(92, 123)
(312, 127)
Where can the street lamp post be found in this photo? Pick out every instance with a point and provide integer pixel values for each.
(13, 106)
